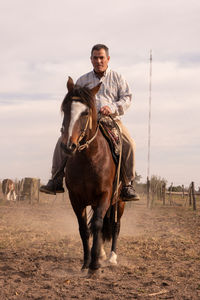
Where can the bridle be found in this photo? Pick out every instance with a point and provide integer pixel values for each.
(79, 146)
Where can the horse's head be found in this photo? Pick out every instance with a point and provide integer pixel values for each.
(80, 115)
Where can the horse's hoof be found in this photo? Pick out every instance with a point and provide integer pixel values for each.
(84, 272)
(93, 273)
(113, 258)
(102, 256)
(84, 267)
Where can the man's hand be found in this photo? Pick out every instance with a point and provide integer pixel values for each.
(105, 110)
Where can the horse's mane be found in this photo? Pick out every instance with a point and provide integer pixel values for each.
(84, 93)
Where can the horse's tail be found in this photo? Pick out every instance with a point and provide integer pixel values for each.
(108, 224)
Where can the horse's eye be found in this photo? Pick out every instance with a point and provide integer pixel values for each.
(85, 113)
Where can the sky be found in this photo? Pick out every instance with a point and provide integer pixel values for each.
(44, 42)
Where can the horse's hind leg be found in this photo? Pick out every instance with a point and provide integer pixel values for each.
(102, 256)
(115, 234)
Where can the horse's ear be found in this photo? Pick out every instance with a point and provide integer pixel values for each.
(95, 89)
(70, 84)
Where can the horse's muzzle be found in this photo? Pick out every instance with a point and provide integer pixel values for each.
(69, 150)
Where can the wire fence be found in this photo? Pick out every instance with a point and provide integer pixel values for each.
(186, 197)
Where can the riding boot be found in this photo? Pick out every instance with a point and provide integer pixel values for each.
(128, 193)
(55, 185)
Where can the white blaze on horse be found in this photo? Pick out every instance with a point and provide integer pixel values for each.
(8, 189)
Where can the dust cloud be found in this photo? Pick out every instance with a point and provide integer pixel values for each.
(56, 220)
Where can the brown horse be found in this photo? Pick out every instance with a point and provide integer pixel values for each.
(90, 173)
(8, 189)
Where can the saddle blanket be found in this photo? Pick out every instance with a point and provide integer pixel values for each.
(112, 133)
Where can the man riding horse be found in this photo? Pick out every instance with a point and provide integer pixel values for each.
(113, 98)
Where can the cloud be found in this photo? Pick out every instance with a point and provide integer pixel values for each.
(30, 130)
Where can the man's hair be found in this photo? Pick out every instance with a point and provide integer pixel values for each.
(99, 47)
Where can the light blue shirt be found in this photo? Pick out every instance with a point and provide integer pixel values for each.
(114, 91)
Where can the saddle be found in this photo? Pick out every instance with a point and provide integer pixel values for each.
(112, 134)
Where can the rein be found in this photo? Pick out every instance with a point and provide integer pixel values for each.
(82, 135)
(88, 142)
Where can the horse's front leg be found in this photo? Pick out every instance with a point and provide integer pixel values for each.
(96, 226)
(85, 235)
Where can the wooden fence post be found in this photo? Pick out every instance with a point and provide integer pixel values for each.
(170, 194)
(193, 196)
(148, 192)
(159, 191)
(183, 192)
(38, 193)
(154, 188)
(190, 194)
(31, 193)
(163, 192)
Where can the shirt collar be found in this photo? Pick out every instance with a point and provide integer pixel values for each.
(104, 74)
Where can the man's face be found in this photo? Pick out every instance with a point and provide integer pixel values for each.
(100, 60)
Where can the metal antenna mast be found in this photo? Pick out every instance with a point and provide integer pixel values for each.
(149, 123)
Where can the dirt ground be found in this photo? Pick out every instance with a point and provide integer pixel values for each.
(41, 254)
